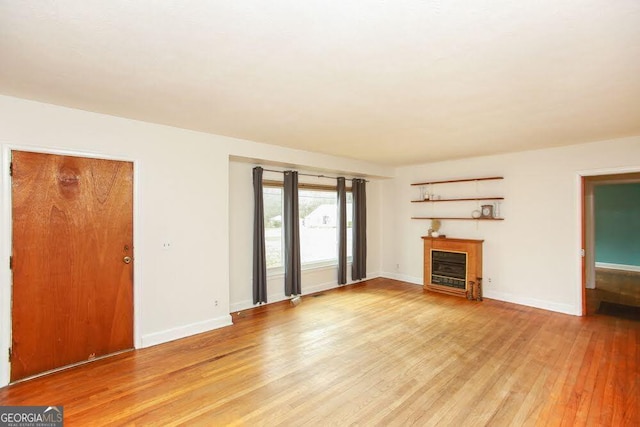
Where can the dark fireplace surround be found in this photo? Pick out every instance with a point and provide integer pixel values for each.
(449, 268)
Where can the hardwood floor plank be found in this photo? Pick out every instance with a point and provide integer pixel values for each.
(588, 374)
(381, 352)
(632, 415)
(605, 335)
(569, 398)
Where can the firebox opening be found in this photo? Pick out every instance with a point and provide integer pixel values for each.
(449, 268)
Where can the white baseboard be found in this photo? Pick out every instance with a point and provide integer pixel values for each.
(622, 267)
(502, 296)
(273, 298)
(533, 302)
(280, 296)
(185, 331)
(402, 278)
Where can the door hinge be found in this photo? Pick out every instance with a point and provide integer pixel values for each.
(10, 263)
(9, 354)
(11, 169)
(582, 253)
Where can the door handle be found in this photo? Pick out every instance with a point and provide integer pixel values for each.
(127, 260)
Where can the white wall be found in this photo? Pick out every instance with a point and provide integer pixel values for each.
(241, 239)
(185, 196)
(182, 196)
(532, 256)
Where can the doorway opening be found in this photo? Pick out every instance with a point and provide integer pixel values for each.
(611, 240)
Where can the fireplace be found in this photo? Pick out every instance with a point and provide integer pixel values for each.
(453, 266)
(449, 268)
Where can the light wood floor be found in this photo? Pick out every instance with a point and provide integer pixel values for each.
(378, 353)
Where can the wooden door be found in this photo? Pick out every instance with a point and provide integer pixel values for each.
(72, 286)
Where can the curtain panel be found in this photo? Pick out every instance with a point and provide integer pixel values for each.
(342, 231)
(291, 223)
(359, 227)
(259, 254)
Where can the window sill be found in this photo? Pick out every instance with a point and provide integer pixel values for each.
(316, 266)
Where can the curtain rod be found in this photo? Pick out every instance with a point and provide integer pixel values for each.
(308, 174)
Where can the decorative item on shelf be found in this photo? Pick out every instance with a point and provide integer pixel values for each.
(434, 229)
(476, 214)
(487, 211)
(425, 194)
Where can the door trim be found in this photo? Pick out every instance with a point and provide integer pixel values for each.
(586, 234)
(6, 244)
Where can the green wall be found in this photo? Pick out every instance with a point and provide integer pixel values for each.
(617, 217)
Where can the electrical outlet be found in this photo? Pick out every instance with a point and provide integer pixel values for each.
(215, 303)
(488, 280)
(397, 267)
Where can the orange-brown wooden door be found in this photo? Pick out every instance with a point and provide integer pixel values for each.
(72, 286)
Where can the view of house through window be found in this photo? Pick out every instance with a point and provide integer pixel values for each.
(318, 212)
(273, 226)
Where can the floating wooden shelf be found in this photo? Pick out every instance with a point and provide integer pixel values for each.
(490, 178)
(458, 200)
(458, 218)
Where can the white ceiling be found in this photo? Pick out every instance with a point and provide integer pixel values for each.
(393, 82)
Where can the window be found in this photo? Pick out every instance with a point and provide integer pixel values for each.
(273, 235)
(318, 216)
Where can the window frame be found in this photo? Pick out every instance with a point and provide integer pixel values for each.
(318, 265)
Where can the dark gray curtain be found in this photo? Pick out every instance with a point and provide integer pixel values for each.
(359, 265)
(342, 231)
(259, 258)
(292, 270)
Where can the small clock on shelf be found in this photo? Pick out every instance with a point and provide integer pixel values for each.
(486, 211)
